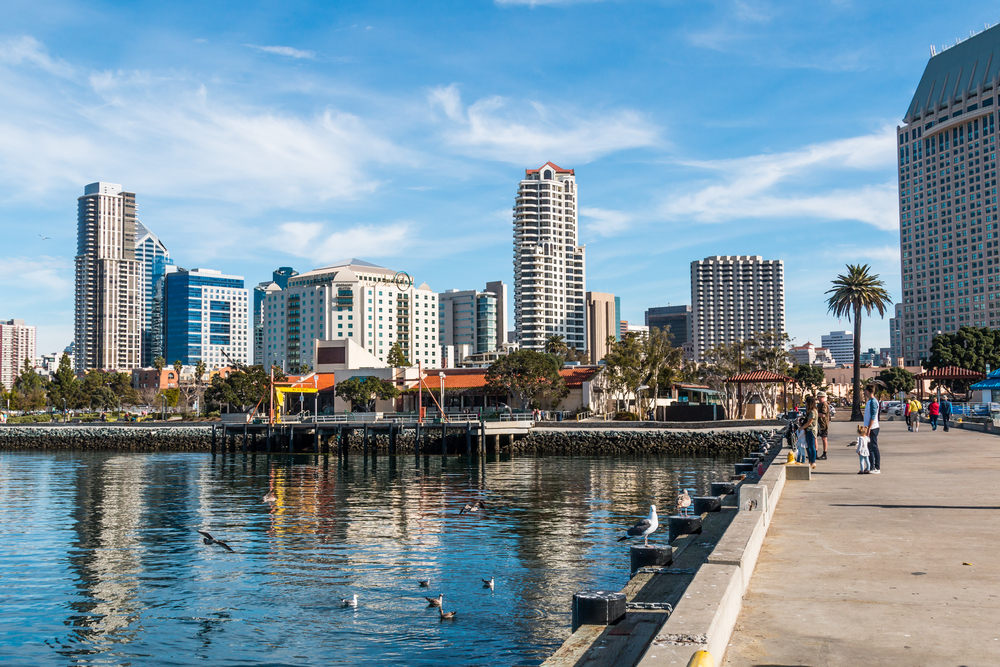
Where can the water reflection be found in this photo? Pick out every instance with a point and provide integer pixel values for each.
(115, 560)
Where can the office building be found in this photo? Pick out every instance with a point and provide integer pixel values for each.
(471, 319)
(640, 330)
(603, 322)
(369, 304)
(278, 282)
(733, 298)
(17, 343)
(153, 258)
(896, 334)
(498, 288)
(841, 346)
(946, 152)
(206, 318)
(674, 320)
(549, 266)
(109, 300)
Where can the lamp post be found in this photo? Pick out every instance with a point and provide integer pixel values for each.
(444, 417)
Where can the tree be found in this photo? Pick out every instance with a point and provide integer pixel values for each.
(809, 377)
(851, 293)
(199, 371)
(397, 358)
(303, 369)
(28, 392)
(64, 388)
(159, 363)
(555, 345)
(897, 380)
(244, 388)
(361, 392)
(531, 377)
(765, 351)
(178, 366)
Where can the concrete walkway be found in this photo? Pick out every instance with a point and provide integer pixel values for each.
(901, 568)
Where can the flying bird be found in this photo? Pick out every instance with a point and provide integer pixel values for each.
(424, 583)
(643, 528)
(353, 602)
(435, 602)
(43, 237)
(488, 583)
(211, 540)
(447, 615)
(474, 507)
(683, 502)
(270, 497)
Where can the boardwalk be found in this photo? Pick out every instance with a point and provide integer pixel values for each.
(871, 570)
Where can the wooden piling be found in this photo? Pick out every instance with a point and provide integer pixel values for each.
(444, 436)
(468, 439)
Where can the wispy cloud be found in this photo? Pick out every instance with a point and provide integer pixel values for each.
(287, 51)
(605, 222)
(34, 275)
(527, 132)
(319, 243)
(26, 50)
(804, 183)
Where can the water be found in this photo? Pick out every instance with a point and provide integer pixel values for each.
(100, 563)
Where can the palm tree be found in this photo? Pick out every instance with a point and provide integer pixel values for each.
(556, 344)
(851, 293)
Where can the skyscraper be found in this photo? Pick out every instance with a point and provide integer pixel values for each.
(549, 265)
(107, 323)
(947, 158)
(674, 320)
(733, 298)
(153, 259)
(468, 317)
(17, 343)
(602, 323)
(278, 282)
(206, 318)
(841, 346)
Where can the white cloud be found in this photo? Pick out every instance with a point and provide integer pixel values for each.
(530, 132)
(313, 241)
(605, 222)
(44, 274)
(801, 183)
(287, 51)
(882, 254)
(28, 50)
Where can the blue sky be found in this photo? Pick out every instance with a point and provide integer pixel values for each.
(299, 133)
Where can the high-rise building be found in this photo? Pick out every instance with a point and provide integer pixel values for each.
(498, 288)
(109, 298)
(470, 318)
(369, 304)
(674, 320)
(153, 258)
(947, 156)
(841, 346)
(549, 265)
(17, 343)
(735, 297)
(896, 334)
(206, 318)
(278, 282)
(602, 323)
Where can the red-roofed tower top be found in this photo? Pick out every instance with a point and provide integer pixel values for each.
(556, 168)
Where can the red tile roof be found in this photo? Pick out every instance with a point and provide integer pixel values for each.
(759, 376)
(950, 373)
(556, 168)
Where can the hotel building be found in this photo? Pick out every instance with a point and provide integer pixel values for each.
(206, 318)
(17, 343)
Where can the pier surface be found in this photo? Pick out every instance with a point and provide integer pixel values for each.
(893, 569)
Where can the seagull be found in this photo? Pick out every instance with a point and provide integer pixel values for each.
(447, 615)
(435, 602)
(424, 583)
(683, 502)
(43, 237)
(644, 528)
(474, 507)
(488, 583)
(270, 497)
(353, 602)
(211, 540)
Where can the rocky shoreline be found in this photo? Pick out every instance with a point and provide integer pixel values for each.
(116, 438)
(638, 442)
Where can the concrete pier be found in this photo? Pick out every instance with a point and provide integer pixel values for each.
(891, 569)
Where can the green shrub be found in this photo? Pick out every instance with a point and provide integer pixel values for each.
(626, 417)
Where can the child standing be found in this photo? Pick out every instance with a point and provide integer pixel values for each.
(862, 450)
(800, 441)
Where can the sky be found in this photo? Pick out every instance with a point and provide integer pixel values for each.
(259, 134)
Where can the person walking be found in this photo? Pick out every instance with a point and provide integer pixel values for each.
(915, 408)
(871, 426)
(810, 427)
(823, 425)
(933, 410)
(945, 413)
(906, 414)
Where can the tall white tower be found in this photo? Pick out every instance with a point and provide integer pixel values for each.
(109, 301)
(549, 266)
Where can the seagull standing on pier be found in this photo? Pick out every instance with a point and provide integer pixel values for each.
(644, 528)
(683, 502)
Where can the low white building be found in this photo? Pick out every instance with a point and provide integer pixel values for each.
(810, 355)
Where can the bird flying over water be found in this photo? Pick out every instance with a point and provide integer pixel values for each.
(488, 583)
(211, 540)
(643, 528)
(683, 502)
(435, 602)
(474, 507)
(353, 602)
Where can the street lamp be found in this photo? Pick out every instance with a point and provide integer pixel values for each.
(444, 418)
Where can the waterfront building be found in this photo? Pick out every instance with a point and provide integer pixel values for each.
(279, 281)
(17, 343)
(472, 322)
(549, 263)
(153, 258)
(674, 320)
(947, 164)
(206, 318)
(603, 322)
(810, 355)
(369, 304)
(841, 346)
(108, 300)
(733, 298)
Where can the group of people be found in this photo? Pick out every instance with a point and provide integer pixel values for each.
(813, 425)
(936, 410)
(869, 457)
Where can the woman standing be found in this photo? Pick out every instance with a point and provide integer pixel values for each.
(933, 410)
(812, 417)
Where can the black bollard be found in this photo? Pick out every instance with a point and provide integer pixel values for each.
(597, 608)
(751, 459)
(683, 525)
(652, 556)
(744, 468)
(702, 504)
(722, 488)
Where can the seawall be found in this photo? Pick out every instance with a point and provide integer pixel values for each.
(128, 438)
